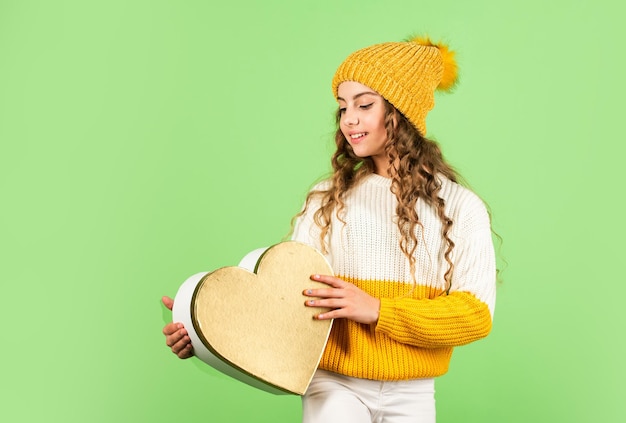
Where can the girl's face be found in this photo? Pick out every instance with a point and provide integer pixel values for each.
(362, 122)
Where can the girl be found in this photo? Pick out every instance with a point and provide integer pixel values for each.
(411, 248)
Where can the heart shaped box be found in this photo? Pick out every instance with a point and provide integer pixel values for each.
(253, 326)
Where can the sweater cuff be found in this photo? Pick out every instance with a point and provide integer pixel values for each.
(386, 315)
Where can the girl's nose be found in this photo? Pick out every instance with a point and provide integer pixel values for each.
(350, 118)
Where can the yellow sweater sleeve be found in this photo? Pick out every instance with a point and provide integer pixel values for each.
(446, 321)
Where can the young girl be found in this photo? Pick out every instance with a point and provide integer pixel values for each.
(411, 248)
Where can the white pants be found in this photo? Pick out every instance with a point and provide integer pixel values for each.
(333, 398)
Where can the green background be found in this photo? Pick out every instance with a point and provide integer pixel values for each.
(144, 141)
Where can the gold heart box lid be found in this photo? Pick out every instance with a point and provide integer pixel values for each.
(250, 321)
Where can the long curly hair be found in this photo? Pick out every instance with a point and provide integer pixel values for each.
(414, 163)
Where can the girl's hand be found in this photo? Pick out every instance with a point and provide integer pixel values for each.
(176, 336)
(346, 301)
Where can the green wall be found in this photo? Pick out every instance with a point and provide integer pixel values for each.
(143, 141)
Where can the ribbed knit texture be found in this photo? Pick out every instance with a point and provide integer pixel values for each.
(418, 325)
(404, 73)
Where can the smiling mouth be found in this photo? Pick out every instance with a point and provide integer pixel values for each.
(358, 136)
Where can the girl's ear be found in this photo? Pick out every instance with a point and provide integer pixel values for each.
(394, 118)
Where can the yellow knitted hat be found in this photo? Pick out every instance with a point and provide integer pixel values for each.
(405, 73)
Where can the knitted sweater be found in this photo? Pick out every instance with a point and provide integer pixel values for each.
(419, 325)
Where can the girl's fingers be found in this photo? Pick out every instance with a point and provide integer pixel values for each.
(323, 293)
(327, 303)
(330, 280)
(344, 300)
(175, 337)
(334, 292)
(180, 346)
(172, 328)
(187, 352)
(168, 302)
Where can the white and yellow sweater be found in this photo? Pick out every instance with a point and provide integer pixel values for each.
(418, 326)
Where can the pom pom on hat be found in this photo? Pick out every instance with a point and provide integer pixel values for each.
(450, 69)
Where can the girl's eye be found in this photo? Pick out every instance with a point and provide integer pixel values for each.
(366, 106)
(342, 110)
